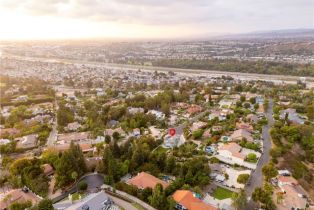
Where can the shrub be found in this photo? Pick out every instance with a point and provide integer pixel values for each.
(82, 186)
(243, 178)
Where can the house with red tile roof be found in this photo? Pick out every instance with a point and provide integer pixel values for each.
(194, 109)
(144, 180)
(187, 201)
(245, 126)
(286, 180)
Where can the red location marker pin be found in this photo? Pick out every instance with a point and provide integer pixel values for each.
(172, 131)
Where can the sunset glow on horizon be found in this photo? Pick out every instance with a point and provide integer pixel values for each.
(79, 19)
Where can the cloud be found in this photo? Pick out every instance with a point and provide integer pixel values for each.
(238, 14)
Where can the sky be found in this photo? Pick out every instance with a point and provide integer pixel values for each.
(148, 19)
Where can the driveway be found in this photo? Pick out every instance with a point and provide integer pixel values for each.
(256, 178)
(94, 182)
(122, 203)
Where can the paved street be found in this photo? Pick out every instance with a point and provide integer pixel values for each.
(179, 128)
(54, 132)
(256, 179)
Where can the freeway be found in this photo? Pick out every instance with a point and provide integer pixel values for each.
(256, 178)
(215, 73)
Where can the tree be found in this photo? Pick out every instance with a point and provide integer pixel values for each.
(310, 111)
(269, 171)
(165, 108)
(74, 175)
(64, 115)
(107, 139)
(20, 205)
(226, 176)
(170, 164)
(198, 133)
(110, 166)
(239, 200)
(18, 165)
(45, 204)
(242, 98)
(253, 100)
(78, 155)
(35, 179)
(116, 135)
(243, 178)
(64, 168)
(264, 197)
(115, 149)
(158, 198)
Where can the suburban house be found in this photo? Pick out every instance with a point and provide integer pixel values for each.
(293, 116)
(224, 103)
(48, 170)
(173, 141)
(143, 180)
(18, 195)
(241, 134)
(193, 109)
(232, 153)
(252, 118)
(75, 137)
(217, 128)
(136, 132)
(292, 199)
(73, 126)
(159, 115)
(245, 126)
(198, 125)
(85, 147)
(289, 194)
(134, 110)
(93, 201)
(110, 131)
(216, 114)
(9, 132)
(26, 142)
(259, 99)
(155, 132)
(186, 200)
(286, 180)
(4, 141)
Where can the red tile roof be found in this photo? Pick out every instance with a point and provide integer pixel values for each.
(186, 198)
(144, 180)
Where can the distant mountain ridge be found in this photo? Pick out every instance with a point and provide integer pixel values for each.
(283, 33)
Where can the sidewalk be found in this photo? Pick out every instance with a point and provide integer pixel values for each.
(128, 197)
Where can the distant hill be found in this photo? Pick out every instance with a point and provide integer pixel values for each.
(284, 33)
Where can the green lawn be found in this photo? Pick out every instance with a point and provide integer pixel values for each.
(222, 193)
(76, 196)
